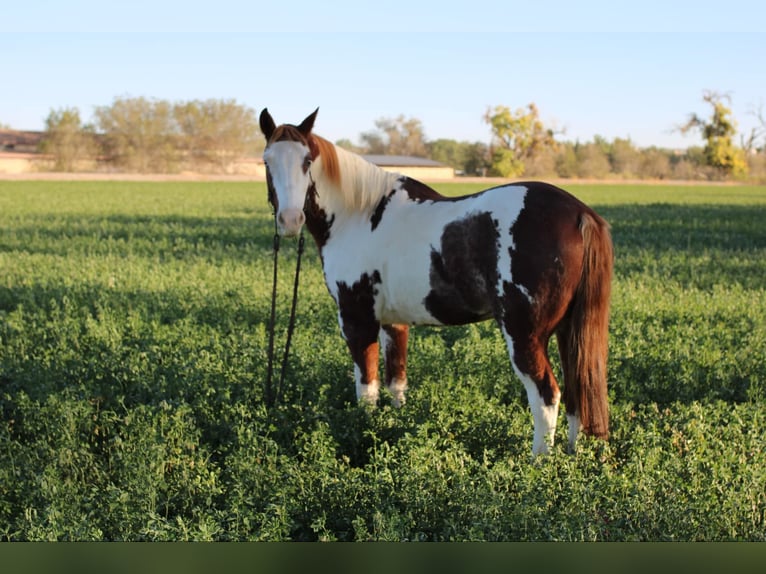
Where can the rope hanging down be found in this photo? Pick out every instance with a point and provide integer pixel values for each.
(271, 396)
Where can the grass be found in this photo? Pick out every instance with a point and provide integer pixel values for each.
(132, 361)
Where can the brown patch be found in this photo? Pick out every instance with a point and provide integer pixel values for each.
(547, 261)
(356, 304)
(563, 258)
(419, 191)
(317, 222)
(463, 275)
(272, 193)
(396, 352)
(377, 215)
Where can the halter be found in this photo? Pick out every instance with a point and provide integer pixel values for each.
(271, 397)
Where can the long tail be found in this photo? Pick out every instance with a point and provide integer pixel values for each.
(586, 330)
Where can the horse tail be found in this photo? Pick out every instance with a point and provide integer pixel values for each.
(585, 333)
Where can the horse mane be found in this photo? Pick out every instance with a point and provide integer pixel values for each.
(359, 184)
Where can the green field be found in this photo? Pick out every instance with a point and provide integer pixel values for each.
(132, 362)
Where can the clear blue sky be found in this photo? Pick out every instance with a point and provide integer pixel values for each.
(618, 69)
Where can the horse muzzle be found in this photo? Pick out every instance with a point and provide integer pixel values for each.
(291, 221)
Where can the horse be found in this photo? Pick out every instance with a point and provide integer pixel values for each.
(396, 253)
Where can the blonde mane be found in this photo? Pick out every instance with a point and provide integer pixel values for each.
(358, 183)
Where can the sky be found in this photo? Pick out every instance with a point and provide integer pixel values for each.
(610, 68)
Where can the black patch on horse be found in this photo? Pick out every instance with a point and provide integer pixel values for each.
(377, 215)
(419, 191)
(317, 221)
(356, 304)
(463, 273)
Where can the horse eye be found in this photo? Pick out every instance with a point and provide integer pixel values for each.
(306, 163)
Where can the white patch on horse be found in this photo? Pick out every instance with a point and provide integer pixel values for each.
(574, 429)
(506, 242)
(398, 390)
(398, 386)
(544, 416)
(366, 393)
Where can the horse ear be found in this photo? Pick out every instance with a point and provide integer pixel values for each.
(267, 124)
(308, 124)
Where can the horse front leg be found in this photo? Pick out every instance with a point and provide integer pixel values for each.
(394, 341)
(362, 339)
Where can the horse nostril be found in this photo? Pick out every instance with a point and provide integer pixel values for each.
(291, 219)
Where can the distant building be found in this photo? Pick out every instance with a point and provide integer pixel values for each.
(12, 141)
(415, 167)
(19, 151)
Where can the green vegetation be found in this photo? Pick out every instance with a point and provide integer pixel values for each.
(132, 361)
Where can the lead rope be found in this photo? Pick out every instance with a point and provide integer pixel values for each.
(271, 398)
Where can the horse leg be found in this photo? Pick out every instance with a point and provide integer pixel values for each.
(394, 342)
(360, 328)
(362, 340)
(529, 357)
(570, 399)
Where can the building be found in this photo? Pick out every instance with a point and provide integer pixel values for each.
(415, 167)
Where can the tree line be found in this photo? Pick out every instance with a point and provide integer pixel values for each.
(154, 136)
(522, 145)
(157, 136)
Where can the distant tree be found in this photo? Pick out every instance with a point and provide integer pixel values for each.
(466, 157)
(396, 136)
(624, 158)
(756, 139)
(66, 139)
(718, 132)
(477, 159)
(592, 160)
(450, 152)
(655, 163)
(347, 144)
(566, 160)
(217, 132)
(139, 134)
(516, 137)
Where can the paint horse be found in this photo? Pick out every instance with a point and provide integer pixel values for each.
(396, 253)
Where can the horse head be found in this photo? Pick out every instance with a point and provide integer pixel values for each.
(289, 152)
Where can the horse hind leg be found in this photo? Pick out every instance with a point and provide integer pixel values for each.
(531, 364)
(394, 344)
(570, 396)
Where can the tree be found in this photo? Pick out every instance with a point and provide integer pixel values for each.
(466, 157)
(66, 139)
(216, 132)
(396, 136)
(566, 160)
(516, 137)
(757, 134)
(655, 163)
(624, 158)
(347, 144)
(592, 160)
(139, 134)
(718, 131)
